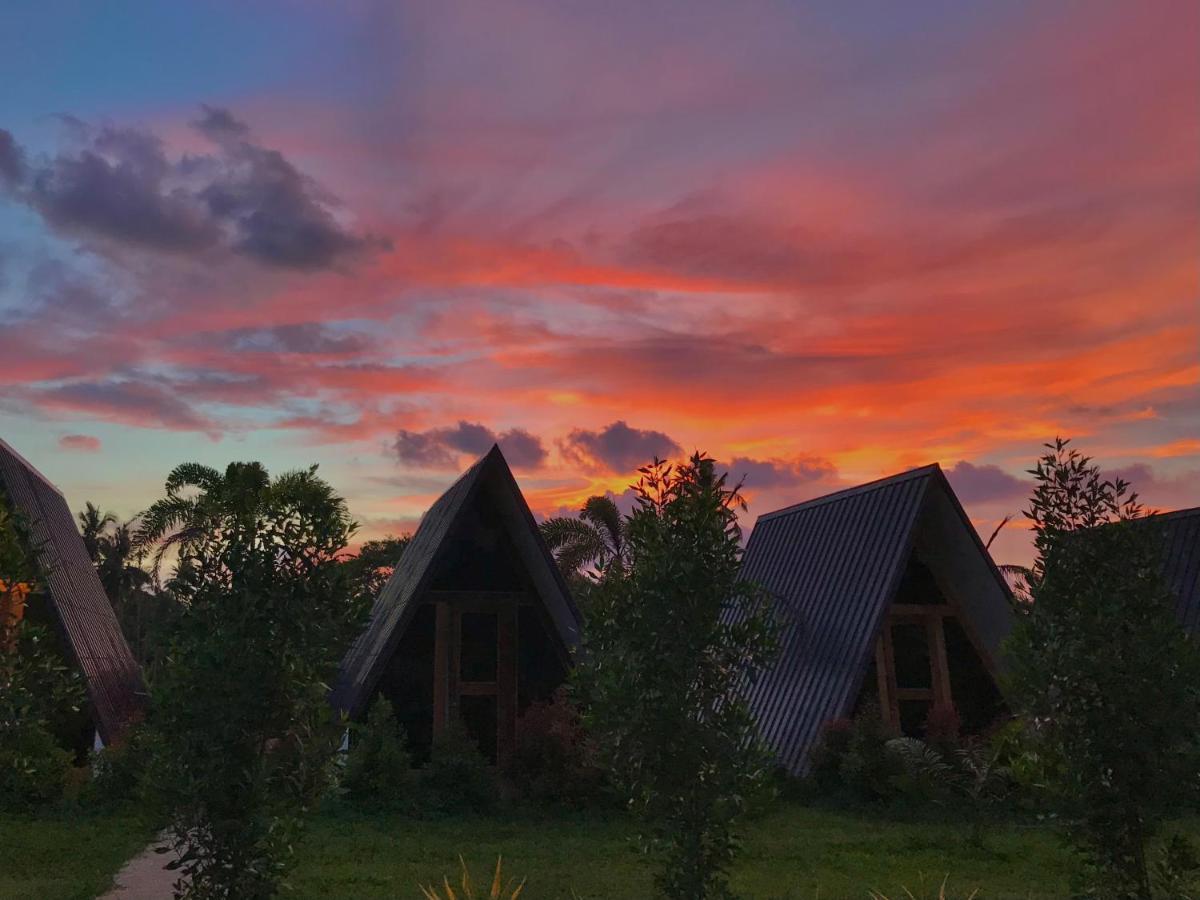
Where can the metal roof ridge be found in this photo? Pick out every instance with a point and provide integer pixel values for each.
(31, 467)
(855, 490)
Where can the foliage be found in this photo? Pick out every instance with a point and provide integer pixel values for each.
(825, 762)
(33, 767)
(670, 645)
(586, 546)
(145, 611)
(1176, 871)
(554, 761)
(457, 778)
(240, 704)
(868, 769)
(379, 769)
(497, 892)
(121, 771)
(1102, 665)
(38, 692)
(369, 569)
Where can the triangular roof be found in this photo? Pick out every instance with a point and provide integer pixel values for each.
(369, 655)
(834, 565)
(91, 634)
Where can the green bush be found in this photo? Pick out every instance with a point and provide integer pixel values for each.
(379, 772)
(457, 778)
(33, 768)
(119, 772)
(554, 761)
(868, 768)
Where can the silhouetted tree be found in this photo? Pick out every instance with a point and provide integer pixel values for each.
(672, 639)
(1101, 664)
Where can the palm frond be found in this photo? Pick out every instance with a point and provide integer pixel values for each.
(601, 511)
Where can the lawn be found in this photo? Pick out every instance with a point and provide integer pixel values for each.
(794, 852)
(65, 857)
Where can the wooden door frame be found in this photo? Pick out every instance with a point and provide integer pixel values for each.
(933, 618)
(448, 687)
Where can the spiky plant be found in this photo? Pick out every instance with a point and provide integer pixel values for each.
(909, 895)
(500, 889)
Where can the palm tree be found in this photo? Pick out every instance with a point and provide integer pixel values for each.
(203, 504)
(93, 524)
(593, 541)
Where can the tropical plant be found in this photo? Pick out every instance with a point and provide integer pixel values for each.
(457, 778)
(590, 543)
(1103, 667)
(93, 525)
(370, 568)
(499, 890)
(940, 895)
(240, 706)
(38, 692)
(379, 770)
(671, 643)
(554, 760)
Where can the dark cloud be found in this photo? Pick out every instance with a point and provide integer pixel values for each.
(617, 447)
(276, 211)
(220, 125)
(303, 338)
(121, 186)
(444, 446)
(763, 474)
(135, 402)
(985, 483)
(12, 163)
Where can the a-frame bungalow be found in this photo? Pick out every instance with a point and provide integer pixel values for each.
(888, 598)
(475, 623)
(71, 599)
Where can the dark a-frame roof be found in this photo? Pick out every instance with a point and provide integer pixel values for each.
(91, 634)
(367, 658)
(834, 565)
(1181, 561)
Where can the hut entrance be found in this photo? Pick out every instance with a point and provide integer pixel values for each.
(475, 666)
(925, 658)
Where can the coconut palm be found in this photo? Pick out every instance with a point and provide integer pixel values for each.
(591, 542)
(203, 505)
(92, 525)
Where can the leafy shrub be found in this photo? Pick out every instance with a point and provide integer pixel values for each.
(121, 770)
(868, 768)
(379, 771)
(33, 768)
(827, 756)
(457, 777)
(37, 692)
(554, 759)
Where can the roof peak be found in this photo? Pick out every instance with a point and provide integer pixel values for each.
(6, 446)
(887, 480)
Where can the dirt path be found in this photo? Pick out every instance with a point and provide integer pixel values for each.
(144, 878)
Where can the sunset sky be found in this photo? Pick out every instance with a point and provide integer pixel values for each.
(822, 241)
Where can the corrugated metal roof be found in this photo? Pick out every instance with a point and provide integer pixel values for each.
(88, 624)
(833, 565)
(368, 656)
(1181, 561)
